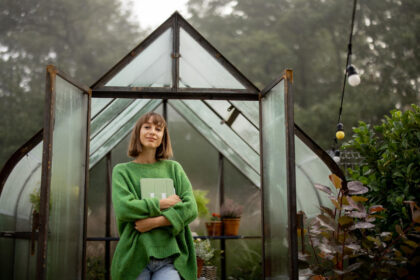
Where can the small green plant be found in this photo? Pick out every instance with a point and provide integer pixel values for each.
(231, 209)
(202, 201)
(35, 199)
(346, 244)
(391, 166)
(206, 252)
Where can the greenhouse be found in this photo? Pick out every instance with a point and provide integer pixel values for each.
(233, 139)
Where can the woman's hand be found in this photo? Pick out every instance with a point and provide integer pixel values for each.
(169, 202)
(148, 224)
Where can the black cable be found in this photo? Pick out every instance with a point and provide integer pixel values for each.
(349, 53)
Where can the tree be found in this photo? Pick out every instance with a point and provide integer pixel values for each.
(262, 37)
(82, 38)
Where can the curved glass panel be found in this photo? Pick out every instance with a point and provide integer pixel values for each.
(151, 68)
(199, 69)
(310, 169)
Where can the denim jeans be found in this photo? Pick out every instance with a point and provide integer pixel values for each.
(160, 269)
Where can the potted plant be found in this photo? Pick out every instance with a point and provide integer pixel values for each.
(214, 227)
(231, 213)
(206, 256)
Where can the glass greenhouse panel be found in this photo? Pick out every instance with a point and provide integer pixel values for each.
(312, 170)
(275, 184)
(108, 114)
(151, 68)
(65, 239)
(250, 110)
(221, 107)
(120, 126)
(224, 132)
(98, 104)
(199, 69)
(219, 139)
(247, 131)
(23, 180)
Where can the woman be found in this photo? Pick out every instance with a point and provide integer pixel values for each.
(155, 240)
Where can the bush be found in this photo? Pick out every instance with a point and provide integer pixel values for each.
(392, 163)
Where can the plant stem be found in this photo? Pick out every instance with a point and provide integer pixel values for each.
(312, 245)
(342, 254)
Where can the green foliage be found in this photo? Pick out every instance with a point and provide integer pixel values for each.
(346, 244)
(202, 201)
(95, 267)
(35, 199)
(391, 168)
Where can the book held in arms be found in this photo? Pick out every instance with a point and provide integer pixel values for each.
(159, 188)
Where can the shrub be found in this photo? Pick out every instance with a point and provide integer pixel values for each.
(391, 168)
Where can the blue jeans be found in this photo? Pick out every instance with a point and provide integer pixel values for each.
(160, 269)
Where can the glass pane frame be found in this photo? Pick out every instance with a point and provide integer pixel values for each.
(277, 99)
(239, 87)
(47, 157)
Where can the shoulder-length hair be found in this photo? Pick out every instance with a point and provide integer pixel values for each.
(164, 151)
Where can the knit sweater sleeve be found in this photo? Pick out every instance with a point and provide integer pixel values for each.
(183, 213)
(127, 207)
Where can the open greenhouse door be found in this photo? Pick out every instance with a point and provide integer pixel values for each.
(62, 228)
(278, 181)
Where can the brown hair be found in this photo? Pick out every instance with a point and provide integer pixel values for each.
(164, 151)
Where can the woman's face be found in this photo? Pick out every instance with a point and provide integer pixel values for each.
(151, 135)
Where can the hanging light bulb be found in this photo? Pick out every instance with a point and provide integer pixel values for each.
(340, 131)
(353, 76)
(336, 156)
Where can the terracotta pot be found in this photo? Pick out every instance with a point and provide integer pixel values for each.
(231, 226)
(200, 264)
(214, 228)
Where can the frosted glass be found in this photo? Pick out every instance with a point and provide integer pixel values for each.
(310, 169)
(65, 242)
(275, 183)
(199, 69)
(22, 180)
(151, 68)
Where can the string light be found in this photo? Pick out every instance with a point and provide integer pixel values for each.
(353, 79)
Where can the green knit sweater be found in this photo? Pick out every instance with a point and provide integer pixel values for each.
(134, 248)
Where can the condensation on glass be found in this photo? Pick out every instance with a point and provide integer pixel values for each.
(65, 239)
(275, 183)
